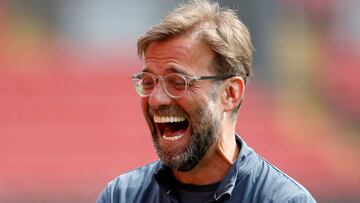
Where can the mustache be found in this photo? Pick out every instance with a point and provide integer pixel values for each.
(166, 110)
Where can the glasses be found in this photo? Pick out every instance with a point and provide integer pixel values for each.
(174, 84)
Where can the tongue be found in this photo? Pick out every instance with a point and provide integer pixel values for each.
(170, 132)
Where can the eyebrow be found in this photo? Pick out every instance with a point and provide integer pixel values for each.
(171, 69)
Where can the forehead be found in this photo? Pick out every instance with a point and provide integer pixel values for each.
(182, 52)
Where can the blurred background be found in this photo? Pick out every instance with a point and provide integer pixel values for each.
(70, 120)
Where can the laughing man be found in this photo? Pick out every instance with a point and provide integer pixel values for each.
(197, 62)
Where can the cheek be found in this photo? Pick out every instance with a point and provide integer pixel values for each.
(195, 98)
(195, 106)
(204, 103)
(146, 113)
(144, 102)
(145, 106)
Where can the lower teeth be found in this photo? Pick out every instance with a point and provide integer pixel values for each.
(172, 138)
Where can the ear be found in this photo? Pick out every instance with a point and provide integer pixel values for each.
(233, 93)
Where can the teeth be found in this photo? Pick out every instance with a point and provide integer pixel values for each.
(173, 138)
(168, 119)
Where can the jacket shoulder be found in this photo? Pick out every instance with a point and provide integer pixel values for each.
(127, 187)
(138, 176)
(279, 187)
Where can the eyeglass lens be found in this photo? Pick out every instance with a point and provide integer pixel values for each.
(174, 84)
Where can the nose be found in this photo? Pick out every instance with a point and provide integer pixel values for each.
(159, 97)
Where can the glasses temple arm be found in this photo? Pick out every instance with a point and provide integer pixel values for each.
(215, 77)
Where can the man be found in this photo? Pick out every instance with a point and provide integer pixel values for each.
(197, 62)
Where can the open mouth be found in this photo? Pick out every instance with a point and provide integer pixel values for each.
(171, 127)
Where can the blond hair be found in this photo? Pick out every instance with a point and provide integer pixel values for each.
(219, 27)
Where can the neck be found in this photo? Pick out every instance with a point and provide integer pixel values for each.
(214, 165)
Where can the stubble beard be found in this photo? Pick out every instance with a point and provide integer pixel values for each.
(204, 133)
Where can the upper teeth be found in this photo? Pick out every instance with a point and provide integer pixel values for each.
(168, 119)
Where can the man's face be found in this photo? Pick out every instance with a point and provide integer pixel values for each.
(183, 129)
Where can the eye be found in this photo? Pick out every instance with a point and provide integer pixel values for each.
(146, 82)
(176, 82)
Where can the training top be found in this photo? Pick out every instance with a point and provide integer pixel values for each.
(250, 179)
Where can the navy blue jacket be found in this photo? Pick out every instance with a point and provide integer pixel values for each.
(250, 179)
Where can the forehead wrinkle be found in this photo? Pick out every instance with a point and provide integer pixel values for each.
(160, 49)
(187, 52)
(158, 55)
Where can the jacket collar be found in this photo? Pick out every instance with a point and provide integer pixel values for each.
(240, 168)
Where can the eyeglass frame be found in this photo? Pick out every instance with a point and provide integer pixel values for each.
(188, 80)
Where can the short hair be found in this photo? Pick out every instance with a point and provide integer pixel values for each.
(219, 27)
